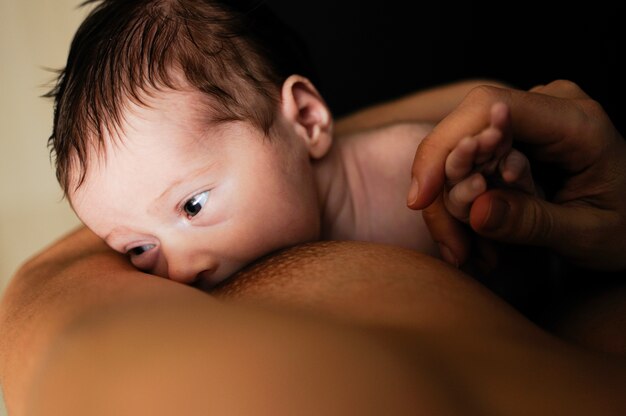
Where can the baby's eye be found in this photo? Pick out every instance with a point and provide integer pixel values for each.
(144, 257)
(195, 204)
(138, 251)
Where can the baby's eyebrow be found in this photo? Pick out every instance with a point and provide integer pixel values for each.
(113, 235)
(176, 183)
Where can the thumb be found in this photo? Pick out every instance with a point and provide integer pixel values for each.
(450, 234)
(515, 217)
(584, 234)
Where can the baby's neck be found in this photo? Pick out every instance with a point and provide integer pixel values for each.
(362, 186)
(341, 192)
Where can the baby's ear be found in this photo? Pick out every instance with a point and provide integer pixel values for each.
(306, 110)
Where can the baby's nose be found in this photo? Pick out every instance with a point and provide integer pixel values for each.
(184, 275)
(187, 267)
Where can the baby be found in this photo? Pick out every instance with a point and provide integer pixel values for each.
(184, 138)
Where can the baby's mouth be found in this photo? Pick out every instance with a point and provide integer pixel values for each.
(204, 280)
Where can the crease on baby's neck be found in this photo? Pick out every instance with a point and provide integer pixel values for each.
(340, 205)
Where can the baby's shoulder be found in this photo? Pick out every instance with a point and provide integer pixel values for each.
(405, 129)
(390, 138)
(385, 151)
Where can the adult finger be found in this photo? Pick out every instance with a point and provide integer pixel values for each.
(450, 234)
(469, 118)
(558, 129)
(561, 88)
(563, 125)
(516, 217)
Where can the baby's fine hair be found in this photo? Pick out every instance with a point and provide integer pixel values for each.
(235, 52)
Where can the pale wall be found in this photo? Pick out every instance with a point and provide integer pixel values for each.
(33, 34)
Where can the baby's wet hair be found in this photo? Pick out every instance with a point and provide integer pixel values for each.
(235, 52)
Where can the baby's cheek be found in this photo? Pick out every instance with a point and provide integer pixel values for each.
(278, 238)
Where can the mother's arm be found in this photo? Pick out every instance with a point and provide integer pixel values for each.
(429, 105)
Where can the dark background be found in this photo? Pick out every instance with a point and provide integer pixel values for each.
(366, 52)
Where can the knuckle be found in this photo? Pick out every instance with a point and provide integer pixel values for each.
(592, 107)
(565, 86)
(485, 94)
(590, 125)
(595, 114)
(538, 224)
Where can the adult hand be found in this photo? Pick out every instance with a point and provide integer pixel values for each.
(585, 220)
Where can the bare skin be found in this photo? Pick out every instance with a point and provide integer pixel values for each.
(563, 126)
(485, 156)
(430, 105)
(195, 201)
(371, 312)
(356, 316)
(48, 281)
(584, 221)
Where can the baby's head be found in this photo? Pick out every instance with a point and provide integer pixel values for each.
(183, 138)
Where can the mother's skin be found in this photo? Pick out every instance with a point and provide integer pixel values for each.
(330, 328)
(327, 328)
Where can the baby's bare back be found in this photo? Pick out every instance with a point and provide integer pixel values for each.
(380, 159)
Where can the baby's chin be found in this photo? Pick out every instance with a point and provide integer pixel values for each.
(209, 279)
(342, 278)
(232, 277)
(228, 273)
(224, 275)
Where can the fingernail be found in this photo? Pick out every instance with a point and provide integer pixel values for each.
(413, 192)
(498, 211)
(447, 255)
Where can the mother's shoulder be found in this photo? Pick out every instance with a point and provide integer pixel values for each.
(367, 283)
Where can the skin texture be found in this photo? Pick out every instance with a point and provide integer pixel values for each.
(585, 218)
(195, 200)
(582, 217)
(403, 330)
(260, 194)
(486, 156)
(341, 316)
